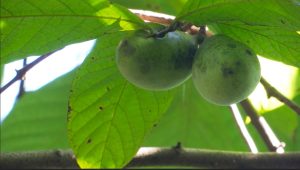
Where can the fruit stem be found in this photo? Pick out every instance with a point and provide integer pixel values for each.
(172, 27)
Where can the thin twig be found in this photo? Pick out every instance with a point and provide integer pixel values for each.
(166, 157)
(20, 73)
(167, 21)
(262, 129)
(155, 19)
(170, 28)
(22, 82)
(272, 92)
(242, 127)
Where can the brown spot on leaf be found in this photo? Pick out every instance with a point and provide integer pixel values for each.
(69, 109)
(282, 21)
(69, 112)
(89, 141)
(101, 108)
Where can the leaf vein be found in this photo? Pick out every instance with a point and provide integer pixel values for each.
(113, 116)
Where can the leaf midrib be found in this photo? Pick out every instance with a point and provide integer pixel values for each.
(68, 16)
(112, 119)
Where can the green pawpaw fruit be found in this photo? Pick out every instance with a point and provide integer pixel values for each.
(156, 63)
(225, 71)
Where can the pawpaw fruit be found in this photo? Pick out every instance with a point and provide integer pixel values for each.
(156, 63)
(225, 71)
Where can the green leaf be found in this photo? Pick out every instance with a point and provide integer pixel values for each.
(270, 27)
(195, 123)
(108, 117)
(171, 7)
(38, 120)
(34, 27)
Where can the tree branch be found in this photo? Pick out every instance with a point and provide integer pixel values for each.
(158, 157)
(272, 92)
(242, 127)
(215, 159)
(22, 71)
(263, 129)
(21, 87)
(38, 160)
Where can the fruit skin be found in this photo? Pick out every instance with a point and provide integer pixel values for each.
(225, 71)
(156, 63)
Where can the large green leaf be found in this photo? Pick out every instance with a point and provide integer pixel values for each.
(171, 7)
(35, 27)
(270, 27)
(39, 119)
(108, 117)
(195, 123)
